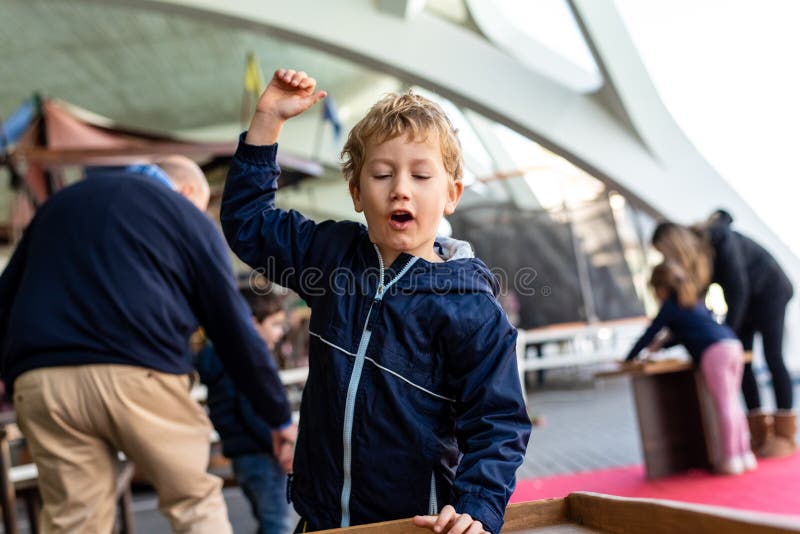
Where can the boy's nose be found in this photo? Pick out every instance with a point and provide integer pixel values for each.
(400, 188)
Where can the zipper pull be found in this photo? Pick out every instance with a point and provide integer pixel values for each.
(289, 478)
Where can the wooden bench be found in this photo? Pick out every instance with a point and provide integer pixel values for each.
(23, 481)
(574, 345)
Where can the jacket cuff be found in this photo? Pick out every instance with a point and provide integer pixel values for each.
(479, 509)
(285, 425)
(255, 154)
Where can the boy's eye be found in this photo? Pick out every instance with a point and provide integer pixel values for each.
(381, 176)
(421, 176)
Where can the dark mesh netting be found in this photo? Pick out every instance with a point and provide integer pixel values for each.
(556, 267)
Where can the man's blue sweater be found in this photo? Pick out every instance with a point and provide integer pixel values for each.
(119, 269)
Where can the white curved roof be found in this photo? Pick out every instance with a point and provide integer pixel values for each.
(177, 66)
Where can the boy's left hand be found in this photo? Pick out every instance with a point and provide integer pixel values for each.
(283, 446)
(450, 522)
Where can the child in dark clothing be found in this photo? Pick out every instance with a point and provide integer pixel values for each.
(713, 347)
(246, 438)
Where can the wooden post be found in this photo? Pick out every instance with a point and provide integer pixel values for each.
(8, 497)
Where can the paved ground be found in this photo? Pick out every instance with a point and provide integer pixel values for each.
(587, 425)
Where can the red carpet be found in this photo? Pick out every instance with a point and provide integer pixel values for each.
(774, 487)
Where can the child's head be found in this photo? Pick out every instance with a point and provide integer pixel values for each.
(269, 315)
(670, 280)
(404, 166)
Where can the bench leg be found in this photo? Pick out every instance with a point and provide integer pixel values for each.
(33, 507)
(126, 512)
(7, 494)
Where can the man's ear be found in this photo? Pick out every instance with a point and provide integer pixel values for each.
(454, 192)
(186, 189)
(355, 194)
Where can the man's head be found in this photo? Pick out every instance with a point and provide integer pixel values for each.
(404, 166)
(187, 178)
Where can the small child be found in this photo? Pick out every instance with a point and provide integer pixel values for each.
(713, 347)
(246, 438)
(413, 403)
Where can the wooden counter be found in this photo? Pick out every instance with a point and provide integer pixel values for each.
(676, 423)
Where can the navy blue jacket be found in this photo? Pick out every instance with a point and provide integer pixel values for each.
(413, 400)
(749, 276)
(694, 328)
(120, 269)
(239, 427)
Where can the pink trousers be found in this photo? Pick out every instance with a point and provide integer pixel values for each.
(722, 365)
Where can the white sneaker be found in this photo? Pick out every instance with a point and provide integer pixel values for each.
(749, 461)
(731, 466)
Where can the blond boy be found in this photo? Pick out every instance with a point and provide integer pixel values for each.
(413, 405)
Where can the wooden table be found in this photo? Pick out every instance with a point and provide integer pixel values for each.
(584, 512)
(676, 422)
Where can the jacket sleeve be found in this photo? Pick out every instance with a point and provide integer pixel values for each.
(731, 275)
(292, 249)
(254, 424)
(659, 322)
(226, 319)
(492, 425)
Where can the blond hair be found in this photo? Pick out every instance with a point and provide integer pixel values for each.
(689, 248)
(670, 277)
(402, 114)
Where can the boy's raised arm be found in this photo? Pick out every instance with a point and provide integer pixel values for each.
(288, 245)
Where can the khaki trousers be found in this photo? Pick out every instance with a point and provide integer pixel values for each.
(76, 419)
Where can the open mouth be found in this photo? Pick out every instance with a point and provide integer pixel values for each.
(402, 216)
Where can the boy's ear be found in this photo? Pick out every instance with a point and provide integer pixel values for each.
(355, 194)
(454, 193)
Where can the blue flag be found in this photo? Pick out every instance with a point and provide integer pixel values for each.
(17, 123)
(329, 114)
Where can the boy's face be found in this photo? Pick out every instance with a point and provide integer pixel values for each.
(271, 328)
(404, 191)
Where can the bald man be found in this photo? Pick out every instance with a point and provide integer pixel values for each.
(96, 308)
(187, 179)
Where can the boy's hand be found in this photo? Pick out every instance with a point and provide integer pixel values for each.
(288, 94)
(450, 522)
(283, 446)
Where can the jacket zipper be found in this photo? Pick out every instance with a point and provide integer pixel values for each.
(433, 501)
(352, 388)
